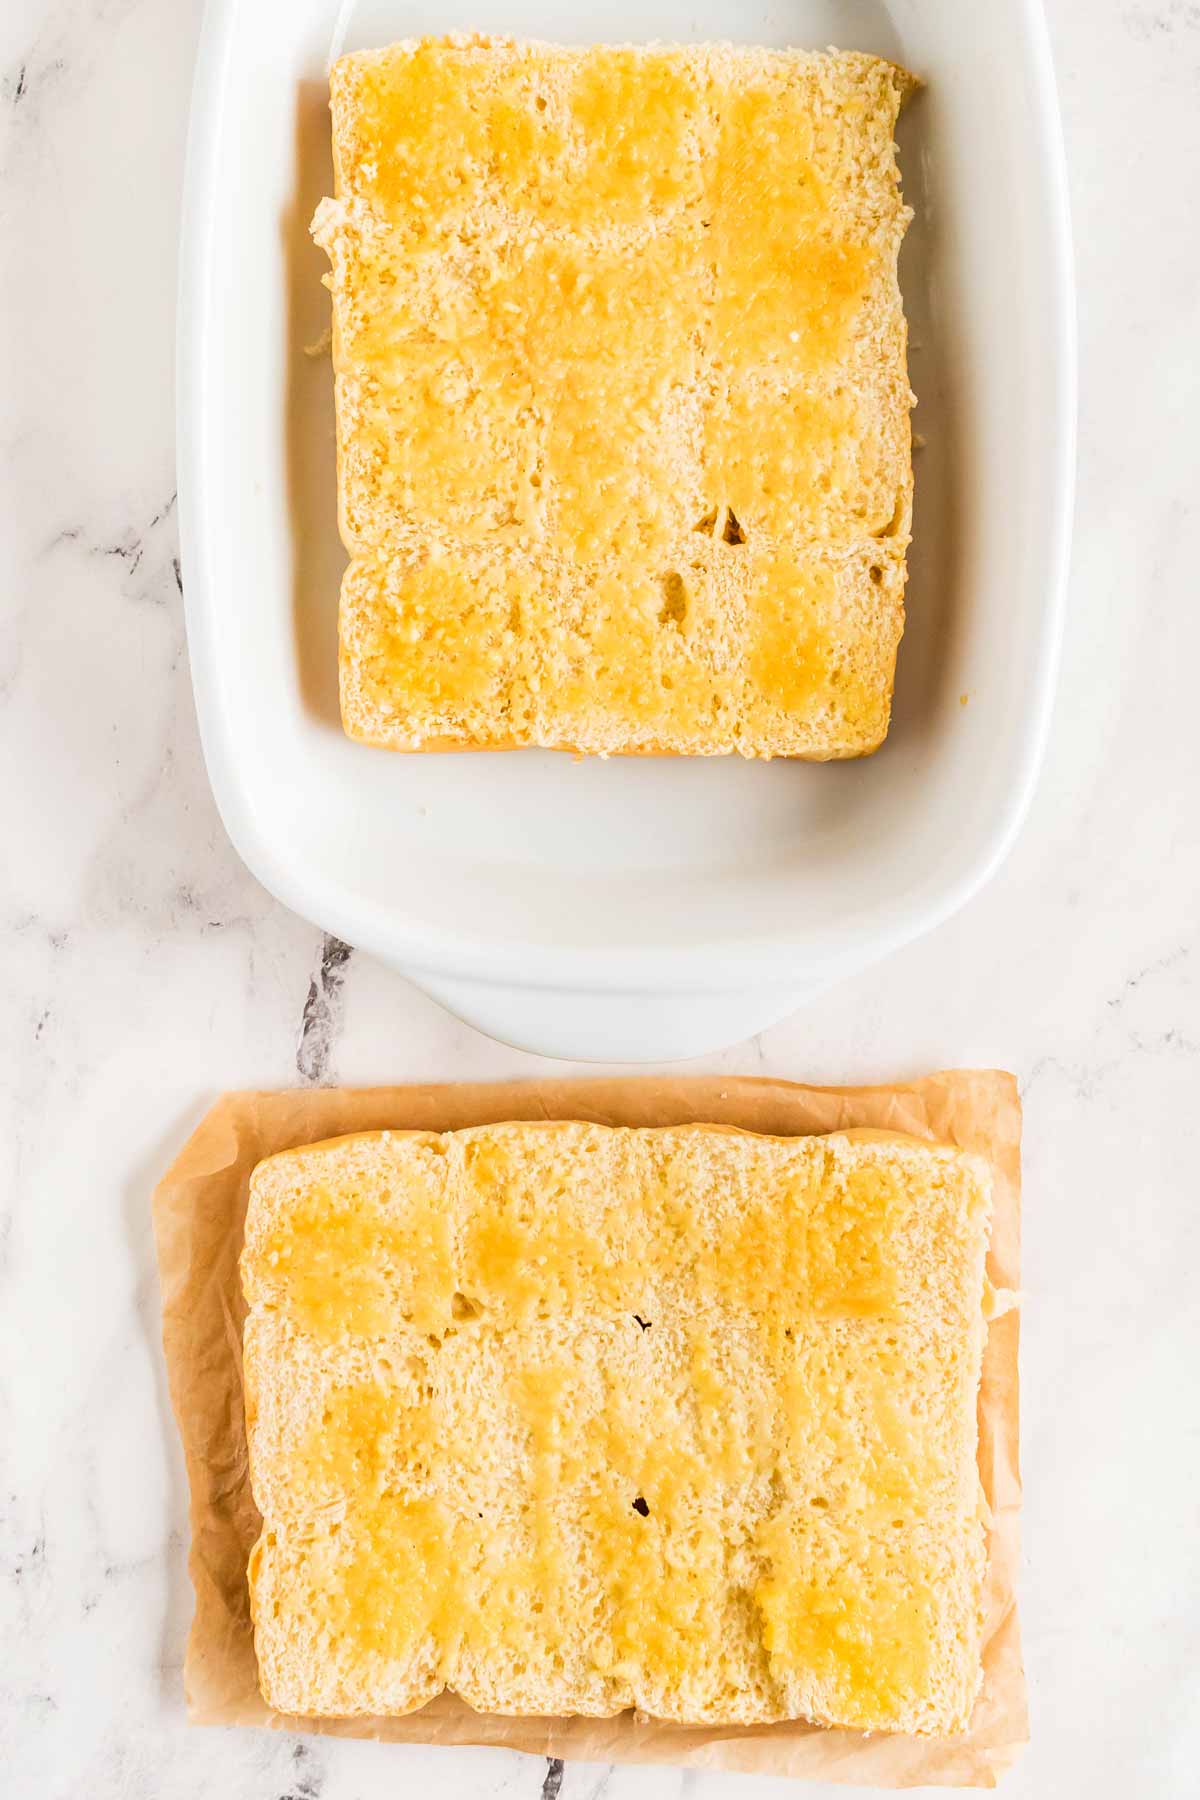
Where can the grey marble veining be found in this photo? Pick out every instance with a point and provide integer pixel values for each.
(321, 1019)
(144, 969)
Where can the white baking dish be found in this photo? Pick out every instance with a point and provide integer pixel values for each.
(639, 909)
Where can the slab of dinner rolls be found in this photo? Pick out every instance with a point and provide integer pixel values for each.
(569, 1419)
(622, 402)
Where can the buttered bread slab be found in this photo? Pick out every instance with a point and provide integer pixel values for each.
(622, 402)
(570, 1419)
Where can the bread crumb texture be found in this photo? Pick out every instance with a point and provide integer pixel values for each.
(570, 1419)
(623, 411)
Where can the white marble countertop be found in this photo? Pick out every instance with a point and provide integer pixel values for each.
(144, 970)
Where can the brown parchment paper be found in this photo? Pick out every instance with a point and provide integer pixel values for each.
(199, 1209)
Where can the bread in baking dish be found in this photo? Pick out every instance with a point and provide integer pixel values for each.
(622, 403)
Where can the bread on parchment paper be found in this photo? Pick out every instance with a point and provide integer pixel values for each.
(622, 402)
(570, 1419)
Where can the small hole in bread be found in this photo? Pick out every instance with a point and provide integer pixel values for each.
(463, 1307)
(541, 102)
(820, 1502)
(732, 532)
(675, 600)
(709, 522)
(640, 1506)
(876, 573)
